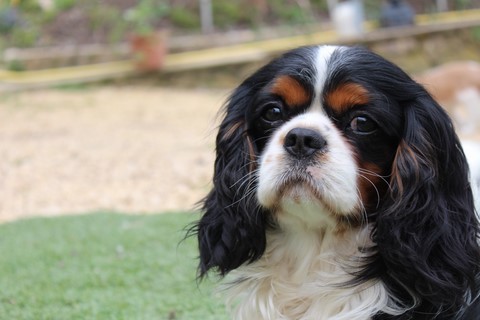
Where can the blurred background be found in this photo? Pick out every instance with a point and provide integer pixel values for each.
(108, 109)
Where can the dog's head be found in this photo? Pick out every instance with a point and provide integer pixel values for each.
(338, 137)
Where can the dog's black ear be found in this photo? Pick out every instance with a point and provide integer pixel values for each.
(232, 229)
(427, 231)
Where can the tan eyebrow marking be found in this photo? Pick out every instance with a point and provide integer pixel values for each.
(347, 96)
(292, 92)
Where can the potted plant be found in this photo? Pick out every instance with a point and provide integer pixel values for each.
(148, 44)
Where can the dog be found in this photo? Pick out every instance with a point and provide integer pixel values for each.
(456, 87)
(446, 82)
(340, 191)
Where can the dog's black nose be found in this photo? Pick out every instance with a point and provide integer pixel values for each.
(302, 142)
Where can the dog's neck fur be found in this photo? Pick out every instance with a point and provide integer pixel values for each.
(303, 275)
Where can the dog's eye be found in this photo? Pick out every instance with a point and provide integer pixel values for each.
(363, 125)
(272, 113)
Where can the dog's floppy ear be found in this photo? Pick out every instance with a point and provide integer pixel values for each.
(426, 233)
(232, 229)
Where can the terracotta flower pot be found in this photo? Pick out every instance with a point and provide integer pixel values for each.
(149, 50)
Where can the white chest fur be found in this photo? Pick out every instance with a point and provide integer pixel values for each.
(304, 276)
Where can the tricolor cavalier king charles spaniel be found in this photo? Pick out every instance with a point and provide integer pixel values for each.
(340, 191)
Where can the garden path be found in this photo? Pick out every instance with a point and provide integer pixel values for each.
(128, 149)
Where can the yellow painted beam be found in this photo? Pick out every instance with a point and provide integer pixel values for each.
(447, 17)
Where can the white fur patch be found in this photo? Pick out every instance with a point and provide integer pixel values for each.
(322, 63)
(302, 275)
(333, 176)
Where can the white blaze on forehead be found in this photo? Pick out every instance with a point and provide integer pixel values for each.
(322, 63)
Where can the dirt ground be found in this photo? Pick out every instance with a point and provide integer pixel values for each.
(127, 149)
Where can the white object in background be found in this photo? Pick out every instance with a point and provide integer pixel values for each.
(348, 18)
(469, 99)
(472, 152)
(46, 5)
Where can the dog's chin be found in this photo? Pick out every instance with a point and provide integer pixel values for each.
(300, 193)
(300, 197)
(293, 186)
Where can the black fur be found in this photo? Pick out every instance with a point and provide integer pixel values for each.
(232, 229)
(425, 229)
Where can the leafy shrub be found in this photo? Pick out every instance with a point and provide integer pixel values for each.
(146, 15)
(230, 13)
(184, 19)
(62, 5)
(290, 12)
(29, 6)
(15, 65)
(24, 36)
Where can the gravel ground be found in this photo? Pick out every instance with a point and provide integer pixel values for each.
(126, 149)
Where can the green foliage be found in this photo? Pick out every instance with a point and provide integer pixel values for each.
(226, 12)
(102, 266)
(372, 9)
(73, 87)
(29, 6)
(24, 36)
(62, 5)
(148, 15)
(462, 4)
(46, 17)
(145, 14)
(319, 5)
(476, 34)
(105, 17)
(15, 65)
(290, 12)
(295, 15)
(184, 19)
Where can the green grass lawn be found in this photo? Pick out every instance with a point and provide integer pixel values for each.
(103, 266)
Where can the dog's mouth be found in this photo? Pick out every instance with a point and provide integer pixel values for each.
(303, 200)
(301, 187)
(298, 184)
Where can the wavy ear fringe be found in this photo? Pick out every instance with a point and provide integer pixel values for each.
(427, 232)
(232, 229)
